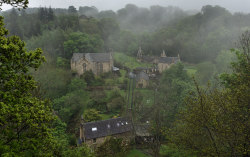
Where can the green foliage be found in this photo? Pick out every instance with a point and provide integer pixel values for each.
(24, 119)
(88, 11)
(205, 72)
(128, 61)
(113, 147)
(78, 42)
(98, 101)
(62, 62)
(136, 153)
(216, 122)
(116, 102)
(53, 81)
(72, 10)
(173, 151)
(70, 106)
(16, 3)
(174, 86)
(223, 61)
(78, 152)
(91, 115)
(50, 41)
(77, 84)
(89, 77)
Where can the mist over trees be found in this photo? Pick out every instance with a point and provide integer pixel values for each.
(193, 109)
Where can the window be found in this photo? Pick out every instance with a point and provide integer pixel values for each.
(118, 124)
(84, 67)
(94, 129)
(108, 126)
(94, 140)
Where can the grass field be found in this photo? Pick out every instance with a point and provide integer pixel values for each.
(191, 69)
(148, 96)
(128, 61)
(136, 153)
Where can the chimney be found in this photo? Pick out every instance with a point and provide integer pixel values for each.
(163, 54)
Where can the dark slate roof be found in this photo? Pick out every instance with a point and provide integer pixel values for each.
(98, 57)
(148, 58)
(168, 60)
(77, 56)
(93, 57)
(107, 127)
(142, 75)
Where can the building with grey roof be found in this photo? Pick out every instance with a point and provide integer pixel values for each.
(96, 132)
(163, 62)
(142, 80)
(98, 63)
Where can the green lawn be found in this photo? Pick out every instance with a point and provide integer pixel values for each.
(190, 68)
(106, 116)
(136, 153)
(148, 96)
(128, 61)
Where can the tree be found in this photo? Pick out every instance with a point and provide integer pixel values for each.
(24, 119)
(78, 42)
(14, 24)
(72, 10)
(70, 106)
(169, 97)
(16, 3)
(113, 147)
(88, 11)
(215, 122)
(91, 115)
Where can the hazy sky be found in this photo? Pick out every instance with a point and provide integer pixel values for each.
(232, 5)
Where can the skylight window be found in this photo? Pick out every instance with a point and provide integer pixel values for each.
(94, 129)
(108, 126)
(118, 124)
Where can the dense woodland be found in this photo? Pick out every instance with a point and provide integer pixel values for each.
(199, 107)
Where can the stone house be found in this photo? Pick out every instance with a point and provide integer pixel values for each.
(97, 62)
(95, 133)
(142, 80)
(162, 63)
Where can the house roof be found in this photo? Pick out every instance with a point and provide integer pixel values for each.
(77, 56)
(106, 128)
(93, 57)
(168, 60)
(148, 58)
(142, 75)
(98, 57)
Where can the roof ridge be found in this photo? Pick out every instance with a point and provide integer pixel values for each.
(105, 120)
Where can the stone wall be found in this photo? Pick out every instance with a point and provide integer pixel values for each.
(94, 143)
(97, 68)
(142, 83)
(162, 67)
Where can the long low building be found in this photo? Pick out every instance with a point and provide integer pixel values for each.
(94, 133)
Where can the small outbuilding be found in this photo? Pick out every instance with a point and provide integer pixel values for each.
(142, 80)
